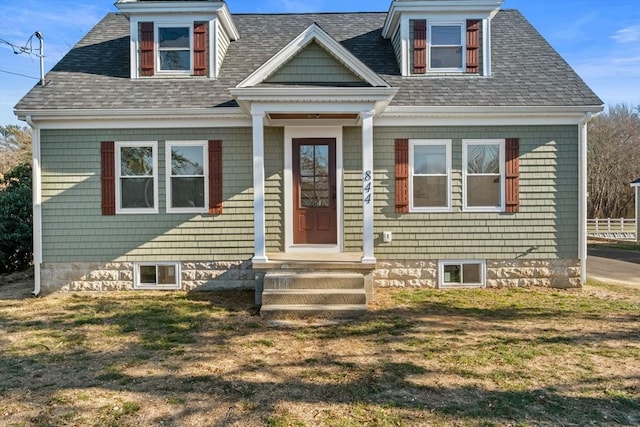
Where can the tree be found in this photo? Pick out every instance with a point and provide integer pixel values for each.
(614, 161)
(16, 219)
(15, 147)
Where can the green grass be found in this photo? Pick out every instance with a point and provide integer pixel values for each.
(516, 357)
(620, 245)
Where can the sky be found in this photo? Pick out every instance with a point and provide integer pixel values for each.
(599, 39)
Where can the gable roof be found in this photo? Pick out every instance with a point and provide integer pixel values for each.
(94, 75)
(314, 33)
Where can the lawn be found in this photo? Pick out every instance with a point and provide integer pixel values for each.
(508, 357)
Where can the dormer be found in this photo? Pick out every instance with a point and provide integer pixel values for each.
(442, 37)
(178, 39)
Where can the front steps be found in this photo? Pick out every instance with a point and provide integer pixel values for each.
(301, 293)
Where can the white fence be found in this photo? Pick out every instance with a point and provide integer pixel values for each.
(612, 228)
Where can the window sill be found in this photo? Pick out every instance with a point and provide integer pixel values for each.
(136, 211)
(187, 211)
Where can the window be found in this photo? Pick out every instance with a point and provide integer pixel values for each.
(174, 49)
(468, 274)
(137, 177)
(446, 47)
(483, 175)
(157, 275)
(430, 168)
(186, 165)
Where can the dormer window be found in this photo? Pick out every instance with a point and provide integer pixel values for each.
(446, 47)
(174, 49)
(178, 39)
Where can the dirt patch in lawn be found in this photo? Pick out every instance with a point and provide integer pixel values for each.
(17, 285)
(419, 357)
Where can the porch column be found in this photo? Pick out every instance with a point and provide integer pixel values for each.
(367, 187)
(260, 254)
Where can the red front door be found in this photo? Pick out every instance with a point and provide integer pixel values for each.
(314, 191)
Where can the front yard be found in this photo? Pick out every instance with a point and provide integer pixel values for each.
(507, 357)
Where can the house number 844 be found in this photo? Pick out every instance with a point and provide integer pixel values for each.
(367, 186)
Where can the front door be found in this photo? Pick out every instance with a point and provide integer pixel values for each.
(314, 191)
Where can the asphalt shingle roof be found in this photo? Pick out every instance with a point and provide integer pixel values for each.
(526, 70)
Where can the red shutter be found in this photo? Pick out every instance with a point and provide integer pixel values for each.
(512, 175)
(147, 62)
(473, 46)
(200, 49)
(402, 175)
(108, 177)
(420, 46)
(215, 177)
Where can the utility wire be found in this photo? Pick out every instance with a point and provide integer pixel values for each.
(18, 74)
(26, 48)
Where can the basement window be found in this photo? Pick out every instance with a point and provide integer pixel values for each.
(164, 275)
(461, 274)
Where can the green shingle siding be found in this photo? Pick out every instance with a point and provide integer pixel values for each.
(314, 65)
(545, 228)
(75, 231)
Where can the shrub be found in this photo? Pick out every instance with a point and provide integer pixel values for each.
(16, 219)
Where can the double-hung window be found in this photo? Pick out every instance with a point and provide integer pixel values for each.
(137, 177)
(187, 172)
(483, 175)
(430, 169)
(175, 47)
(446, 47)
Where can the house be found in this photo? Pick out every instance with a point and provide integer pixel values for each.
(439, 144)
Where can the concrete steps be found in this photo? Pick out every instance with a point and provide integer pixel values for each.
(298, 294)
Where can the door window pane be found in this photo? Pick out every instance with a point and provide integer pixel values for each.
(314, 180)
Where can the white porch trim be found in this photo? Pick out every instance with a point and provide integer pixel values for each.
(368, 192)
(260, 250)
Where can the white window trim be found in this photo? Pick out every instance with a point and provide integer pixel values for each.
(168, 176)
(463, 44)
(119, 208)
(148, 286)
(156, 42)
(483, 274)
(465, 144)
(412, 144)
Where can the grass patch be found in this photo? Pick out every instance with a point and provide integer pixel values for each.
(620, 245)
(521, 357)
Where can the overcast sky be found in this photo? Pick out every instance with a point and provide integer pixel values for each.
(600, 39)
